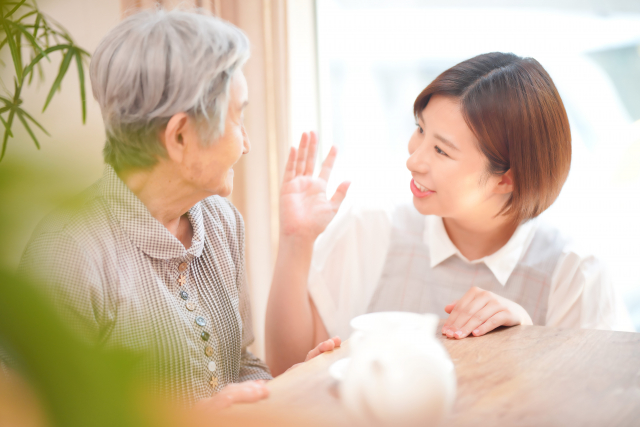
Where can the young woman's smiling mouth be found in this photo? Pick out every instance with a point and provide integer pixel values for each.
(419, 190)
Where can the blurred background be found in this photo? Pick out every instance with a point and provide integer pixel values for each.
(351, 69)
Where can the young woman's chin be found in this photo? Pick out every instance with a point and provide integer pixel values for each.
(424, 206)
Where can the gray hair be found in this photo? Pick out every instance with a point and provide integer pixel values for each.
(156, 64)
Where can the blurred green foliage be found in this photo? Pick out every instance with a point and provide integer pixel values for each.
(31, 36)
(78, 383)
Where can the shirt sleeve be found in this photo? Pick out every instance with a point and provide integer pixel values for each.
(347, 265)
(251, 367)
(583, 296)
(72, 281)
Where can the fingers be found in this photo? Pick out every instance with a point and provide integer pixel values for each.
(337, 341)
(245, 392)
(311, 154)
(467, 297)
(466, 311)
(478, 319)
(491, 323)
(339, 195)
(290, 168)
(324, 346)
(327, 165)
(302, 154)
(449, 308)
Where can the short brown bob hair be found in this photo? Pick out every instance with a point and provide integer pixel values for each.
(514, 109)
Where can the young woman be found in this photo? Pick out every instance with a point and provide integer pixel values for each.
(491, 151)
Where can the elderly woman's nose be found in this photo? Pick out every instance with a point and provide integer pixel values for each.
(245, 141)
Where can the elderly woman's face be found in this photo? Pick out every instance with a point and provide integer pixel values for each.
(210, 166)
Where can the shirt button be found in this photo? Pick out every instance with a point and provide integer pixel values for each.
(184, 295)
(212, 366)
(204, 335)
(182, 266)
(182, 280)
(214, 382)
(191, 306)
(208, 350)
(201, 321)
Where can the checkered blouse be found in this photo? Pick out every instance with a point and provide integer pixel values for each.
(122, 279)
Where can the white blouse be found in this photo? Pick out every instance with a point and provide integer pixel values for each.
(349, 258)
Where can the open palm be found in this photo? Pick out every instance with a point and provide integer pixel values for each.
(305, 210)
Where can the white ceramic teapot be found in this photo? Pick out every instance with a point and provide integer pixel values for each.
(399, 374)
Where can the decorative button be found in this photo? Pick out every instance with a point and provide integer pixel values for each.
(213, 382)
(208, 350)
(182, 280)
(191, 306)
(204, 335)
(212, 366)
(182, 266)
(201, 321)
(184, 295)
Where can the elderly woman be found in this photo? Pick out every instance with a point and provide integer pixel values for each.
(152, 256)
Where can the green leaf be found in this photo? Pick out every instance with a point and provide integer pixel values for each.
(30, 75)
(37, 59)
(26, 126)
(35, 122)
(64, 66)
(27, 34)
(25, 16)
(19, 45)
(6, 100)
(14, 9)
(83, 97)
(36, 25)
(7, 132)
(15, 54)
(6, 127)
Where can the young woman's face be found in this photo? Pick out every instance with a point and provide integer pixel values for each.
(448, 168)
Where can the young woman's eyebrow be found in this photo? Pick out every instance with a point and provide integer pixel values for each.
(446, 142)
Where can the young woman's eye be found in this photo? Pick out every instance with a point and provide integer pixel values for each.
(419, 128)
(439, 151)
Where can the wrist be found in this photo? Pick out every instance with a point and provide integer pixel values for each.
(297, 241)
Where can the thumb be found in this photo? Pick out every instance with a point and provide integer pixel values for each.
(339, 195)
(449, 307)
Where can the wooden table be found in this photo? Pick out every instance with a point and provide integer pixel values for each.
(519, 376)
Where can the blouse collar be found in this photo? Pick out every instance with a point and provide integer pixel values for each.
(501, 263)
(146, 232)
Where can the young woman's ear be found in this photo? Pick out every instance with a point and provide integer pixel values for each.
(173, 136)
(505, 184)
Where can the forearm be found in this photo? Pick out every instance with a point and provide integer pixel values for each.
(289, 323)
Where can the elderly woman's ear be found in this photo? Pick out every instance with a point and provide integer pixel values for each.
(178, 136)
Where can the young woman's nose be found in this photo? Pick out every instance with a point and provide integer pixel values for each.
(418, 159)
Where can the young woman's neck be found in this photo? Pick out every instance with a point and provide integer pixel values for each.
(479, 237)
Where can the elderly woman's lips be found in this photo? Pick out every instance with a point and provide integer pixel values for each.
(418, 192)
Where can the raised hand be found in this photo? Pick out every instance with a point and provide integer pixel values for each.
(305, 210)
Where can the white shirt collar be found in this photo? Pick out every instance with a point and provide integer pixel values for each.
(501, 263)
